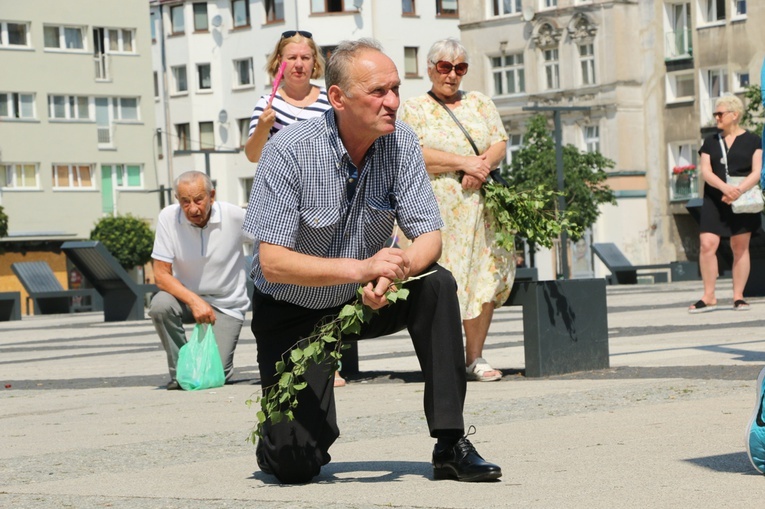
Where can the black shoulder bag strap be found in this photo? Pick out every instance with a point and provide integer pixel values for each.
(495, 174)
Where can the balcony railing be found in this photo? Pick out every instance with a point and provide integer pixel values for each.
(685, 185)
(101, 62)
(678, 44)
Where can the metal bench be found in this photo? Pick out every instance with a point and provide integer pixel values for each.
(123, 298)
(10, 306)
(622, 271)
(46, 292)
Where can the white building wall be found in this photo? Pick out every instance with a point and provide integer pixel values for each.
(380, 19)
(43, 211)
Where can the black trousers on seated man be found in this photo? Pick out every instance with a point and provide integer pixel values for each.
(294, 451)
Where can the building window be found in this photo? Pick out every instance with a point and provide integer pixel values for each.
(503, 7)
(552, 72)
(156, 85)
(204, 81)
(683, 171)
(714, 85)
(244, 130)
(200, 16)
(587, 63)
(119, 40)
(549, 4)
(182, 132)
(509, 74)
(407, 8)
(240, 10)
(13, 105)
(678, 41)
(127, 176)
(153, 21)
(410, 62)
(125, 108)
(19, 176)
(177, 22)
(274, 10)
(447, 8)
(243, 72)
(14, 34)
(63, 37)
(320, 6)
(179, 79)
(741, 81)
(680, 86)
(246, 186)
(514, 144)
(67, 176)
(739, 8)
(591, 138)
(206, 136)
(713, 11)
(69, 107)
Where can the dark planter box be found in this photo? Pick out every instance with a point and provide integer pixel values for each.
(685, 271)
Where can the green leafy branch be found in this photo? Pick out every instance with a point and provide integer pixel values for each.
(523, 213)
(279, 400)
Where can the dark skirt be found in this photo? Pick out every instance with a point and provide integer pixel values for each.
(718, 218)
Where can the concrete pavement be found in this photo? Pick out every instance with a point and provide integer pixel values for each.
(86, 423)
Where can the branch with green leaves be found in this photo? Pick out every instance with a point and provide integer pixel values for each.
(279, 400)
(523, 213)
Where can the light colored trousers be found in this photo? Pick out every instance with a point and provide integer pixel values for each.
(169, 314)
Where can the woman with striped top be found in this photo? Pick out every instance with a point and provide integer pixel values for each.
(296, 99)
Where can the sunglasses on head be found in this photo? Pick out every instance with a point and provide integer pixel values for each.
(293, 33)
(444, 67)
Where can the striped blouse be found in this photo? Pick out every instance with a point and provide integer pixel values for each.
(286, 113)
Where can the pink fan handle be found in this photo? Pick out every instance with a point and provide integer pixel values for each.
(277, 80)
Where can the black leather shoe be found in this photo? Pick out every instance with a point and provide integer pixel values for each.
(463, 463)
(174, 386)
(260, 458)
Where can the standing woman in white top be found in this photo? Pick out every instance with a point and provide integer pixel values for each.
(297, 99)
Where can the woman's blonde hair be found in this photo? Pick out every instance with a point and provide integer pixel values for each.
(272, 64)
(731, 103)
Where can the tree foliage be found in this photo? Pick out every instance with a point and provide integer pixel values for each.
(753, 112)
(584, 175)
(128, 238)
(3, 223)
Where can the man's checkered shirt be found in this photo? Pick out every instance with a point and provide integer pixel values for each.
(299, 201)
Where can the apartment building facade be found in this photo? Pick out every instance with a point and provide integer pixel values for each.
(635, 80)
(209, 68)
(76, 117)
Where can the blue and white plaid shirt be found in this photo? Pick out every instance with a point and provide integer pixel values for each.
(300, 201)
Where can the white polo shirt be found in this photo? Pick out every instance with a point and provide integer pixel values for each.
(208, 261)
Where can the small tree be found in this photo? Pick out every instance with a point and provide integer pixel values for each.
(3, 223)
(583, 172)
(128, 238)
(753, 114)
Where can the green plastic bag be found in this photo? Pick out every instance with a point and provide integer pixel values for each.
(199, 365)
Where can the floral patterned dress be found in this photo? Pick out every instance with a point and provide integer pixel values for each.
(484, 271)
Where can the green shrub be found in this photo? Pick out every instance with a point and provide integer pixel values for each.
(129, 239)
(3, 223)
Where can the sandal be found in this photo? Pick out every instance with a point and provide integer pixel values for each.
(479, 370)
(702, 307)
(740, 305)
(339, 380)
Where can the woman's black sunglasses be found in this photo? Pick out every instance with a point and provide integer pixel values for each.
(444, 67)
(293, 33)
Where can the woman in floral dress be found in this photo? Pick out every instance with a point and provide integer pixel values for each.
(484, 271)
